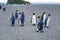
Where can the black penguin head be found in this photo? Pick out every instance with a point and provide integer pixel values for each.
(43, 12)
(49, 14)
(22, 12)
(19, 13)
(17, 10)
(38, 16)
(33, 13)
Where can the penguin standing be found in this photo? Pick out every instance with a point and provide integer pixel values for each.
(22, 18)
(44, 18)
(47, 20)
(19, 19)
(34, 19)
(12, 20)
(16, 15)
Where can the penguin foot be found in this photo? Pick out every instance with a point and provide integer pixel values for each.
(37, 31)
(33, 24)
(46, 27)
(12, 24)
(41, 31)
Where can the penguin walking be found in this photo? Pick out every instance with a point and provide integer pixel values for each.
(47, 20)
(34, 20)
(12, 20)
(40, 25)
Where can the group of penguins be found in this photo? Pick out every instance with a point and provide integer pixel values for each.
(20, 18)
(43, 21)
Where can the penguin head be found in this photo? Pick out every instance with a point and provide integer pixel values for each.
(44, 13)
(38, 16)
(33, 13)
(16, 10)
(20, 13)
(49, 14)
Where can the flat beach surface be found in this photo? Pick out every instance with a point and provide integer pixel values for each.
(28, 31)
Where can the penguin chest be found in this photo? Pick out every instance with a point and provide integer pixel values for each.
(34, 20)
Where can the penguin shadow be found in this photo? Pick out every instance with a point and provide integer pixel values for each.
(39, 31)
(33, 24)
(17, 25)
(46, 27)
(21, 25)
(12, 25)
